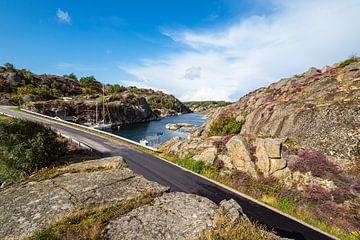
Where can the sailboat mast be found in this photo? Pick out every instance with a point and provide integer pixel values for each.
(97, 114)
(103, 105)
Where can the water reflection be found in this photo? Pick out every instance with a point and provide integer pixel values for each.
(155, 132)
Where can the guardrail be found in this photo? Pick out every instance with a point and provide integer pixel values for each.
(80, 144)
(77, 142)
(92, 129)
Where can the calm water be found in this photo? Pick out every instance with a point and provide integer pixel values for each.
(151, 131)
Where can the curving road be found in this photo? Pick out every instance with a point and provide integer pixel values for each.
(178, 179)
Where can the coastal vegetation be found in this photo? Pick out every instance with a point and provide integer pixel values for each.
(225, 125)
(27, 147)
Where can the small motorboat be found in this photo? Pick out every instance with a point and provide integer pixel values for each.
(144, 142)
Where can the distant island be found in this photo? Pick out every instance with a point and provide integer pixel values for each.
(205, 106)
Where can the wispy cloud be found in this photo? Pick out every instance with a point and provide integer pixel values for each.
(226, 62)
(63, 16)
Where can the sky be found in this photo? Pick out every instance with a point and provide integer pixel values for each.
(195, 50)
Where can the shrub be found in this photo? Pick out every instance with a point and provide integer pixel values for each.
(72, 76)
(347, 62)
(225, 125)
(112, 89)
(340, 195)
(314, 162)
(316, 194)
(268, 185)
(91, 83)
(9, 67)
(27, 146)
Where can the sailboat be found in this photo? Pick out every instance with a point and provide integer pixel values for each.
(102, 125)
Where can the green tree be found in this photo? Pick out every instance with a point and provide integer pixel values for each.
(91, 82)
(9, 66)
(72, 76)
(27, 146)
(112, 89)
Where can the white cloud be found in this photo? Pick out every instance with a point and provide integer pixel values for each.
(63, 16)
(228, 62)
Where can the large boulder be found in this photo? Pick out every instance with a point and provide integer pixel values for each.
(175, 215)
(171, 216)
(269, 159)
(232, 210)
(240, 155)
(12, 78)
(208, 156)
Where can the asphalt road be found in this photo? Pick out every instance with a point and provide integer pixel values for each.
(156, 169)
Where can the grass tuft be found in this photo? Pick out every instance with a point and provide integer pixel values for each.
(89, 224)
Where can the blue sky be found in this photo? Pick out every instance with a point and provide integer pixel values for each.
(203, 49)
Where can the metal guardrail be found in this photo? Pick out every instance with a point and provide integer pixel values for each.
(92, 129)
(77, 142)
(73, 140)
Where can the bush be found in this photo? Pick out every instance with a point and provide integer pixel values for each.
(348, 61)
(25, 147)
(112, 89)
(91, 83)
(314, 162)
(225, 125)
(316, 194)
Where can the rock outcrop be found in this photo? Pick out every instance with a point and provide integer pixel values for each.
(122, 108)
(238, 152)
(170, 216)
(31, 206)
(66, 97)
(317, 110)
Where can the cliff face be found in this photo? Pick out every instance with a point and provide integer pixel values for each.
(122, 108)
(319, 109)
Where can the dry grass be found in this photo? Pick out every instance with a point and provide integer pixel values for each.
(242, 229)
(4, 118)
(89, 224)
